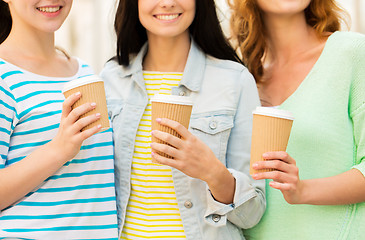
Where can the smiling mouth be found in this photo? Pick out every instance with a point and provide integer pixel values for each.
(167, 17)
(49, 9)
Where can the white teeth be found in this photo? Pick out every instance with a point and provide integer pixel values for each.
(167, 17)
(49, 9)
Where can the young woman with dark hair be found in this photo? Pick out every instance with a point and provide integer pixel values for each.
(205, 30)
(176, 47)
(304, 64)
(56, 181)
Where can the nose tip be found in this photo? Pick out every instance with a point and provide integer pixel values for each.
(167, 3)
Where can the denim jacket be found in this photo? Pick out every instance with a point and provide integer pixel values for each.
(224, 95)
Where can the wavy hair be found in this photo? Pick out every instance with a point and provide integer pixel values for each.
(5, 21)
(249, 33)
(205, 30)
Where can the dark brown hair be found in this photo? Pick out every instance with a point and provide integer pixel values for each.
(5, 21)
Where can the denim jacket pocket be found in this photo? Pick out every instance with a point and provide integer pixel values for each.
(213, 129)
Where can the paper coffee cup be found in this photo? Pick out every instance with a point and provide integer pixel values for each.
(270, 132)
(177, 108)
(92, 90)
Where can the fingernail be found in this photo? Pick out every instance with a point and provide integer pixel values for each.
(93, 104)
(152, 132)
(77, 94)
(98, 115)
(255, 175)
(158, 120)
(152, 153)
(99, 126)
(255, 165)
(265, 155)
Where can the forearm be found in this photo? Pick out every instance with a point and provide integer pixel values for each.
(222, 185)
(22, 177)
(345, 188)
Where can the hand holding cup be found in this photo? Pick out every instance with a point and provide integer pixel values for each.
(92, 91)
(270, 132)
(176, 108)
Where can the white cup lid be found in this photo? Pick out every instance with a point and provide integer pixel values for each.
(174, 99)
(274, 112)
(81, 81)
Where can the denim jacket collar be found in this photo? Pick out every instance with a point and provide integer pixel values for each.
(194, 68)
(193, 72)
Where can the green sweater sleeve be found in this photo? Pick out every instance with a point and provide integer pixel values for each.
(357, 104)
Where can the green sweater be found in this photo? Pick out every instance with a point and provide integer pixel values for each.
(327, 138)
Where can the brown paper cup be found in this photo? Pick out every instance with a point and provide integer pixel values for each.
(92, 90)
(270, 132)
(175, 108)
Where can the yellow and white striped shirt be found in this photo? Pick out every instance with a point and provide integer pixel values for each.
(152, 211)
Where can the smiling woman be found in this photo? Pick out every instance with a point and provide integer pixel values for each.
(176, 47)
(54, 178)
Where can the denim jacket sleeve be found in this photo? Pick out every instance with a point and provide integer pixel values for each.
(249, 199)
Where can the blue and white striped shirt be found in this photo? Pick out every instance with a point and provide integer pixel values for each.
(78, 201)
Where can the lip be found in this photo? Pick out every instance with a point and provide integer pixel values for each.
(167, 17)
(50, 11)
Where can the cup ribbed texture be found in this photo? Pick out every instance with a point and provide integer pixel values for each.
(92, 92)
(268, 134)
(177, 112)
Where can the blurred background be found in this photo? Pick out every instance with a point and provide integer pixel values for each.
(88, 32)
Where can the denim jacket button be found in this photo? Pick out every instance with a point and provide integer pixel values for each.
(188, 204)
(182, 93)
(216, 217)
(213, 125)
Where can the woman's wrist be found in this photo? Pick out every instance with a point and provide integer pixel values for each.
(222, 184)
(303, 193)
(215, 174)
(54, 152)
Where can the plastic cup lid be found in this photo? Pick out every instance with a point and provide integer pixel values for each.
(174, 99)
(274, 112)
(81, 81)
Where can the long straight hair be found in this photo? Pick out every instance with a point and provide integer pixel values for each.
(250, 34)
(5, 21)
(205, 31)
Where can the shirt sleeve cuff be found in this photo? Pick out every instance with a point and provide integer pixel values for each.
(243, 192)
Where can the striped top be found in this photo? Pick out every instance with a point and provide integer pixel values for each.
(152, 211)
(78, 201)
